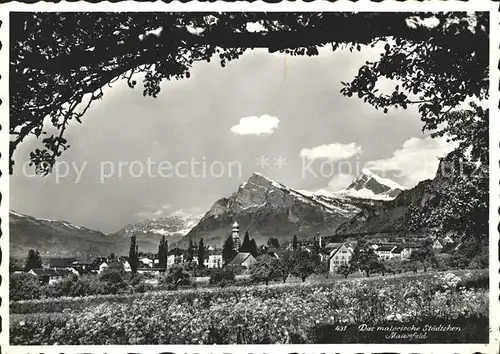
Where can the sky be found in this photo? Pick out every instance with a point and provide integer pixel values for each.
(136, 157)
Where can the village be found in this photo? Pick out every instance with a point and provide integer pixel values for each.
(333, 255)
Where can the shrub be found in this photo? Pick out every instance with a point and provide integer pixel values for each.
(111, 281)
(64, 287)
(265, 269)
(176, 276)
(222, 276)
(24, 286)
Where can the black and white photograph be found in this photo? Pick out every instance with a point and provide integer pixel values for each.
(250, 177)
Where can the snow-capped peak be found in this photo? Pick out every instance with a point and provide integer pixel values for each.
(385, 181)
(369, 185)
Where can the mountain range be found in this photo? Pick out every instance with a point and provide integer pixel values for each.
(262, 206)
(55, 238)
(265, 208)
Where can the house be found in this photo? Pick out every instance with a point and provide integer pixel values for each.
(243, 259)
(84, 265)
(61, 263)
(175, 256)
(340, 256)
(450, 247)
(386, 251)
(447, 239)
(50, 276)
(437, 246)
(205, 260)
(323, 255)
(333, 246)
(146, 261)
(96, 263)
(396, 253)
(102, 267)
(407, 250)
(215, 260)
(126, 266)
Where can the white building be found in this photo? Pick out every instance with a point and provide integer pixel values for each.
(102, 267)
(386, 251)
(339, 256)
(215, 261)
(148, 262)
(127, 267)
(174, 259)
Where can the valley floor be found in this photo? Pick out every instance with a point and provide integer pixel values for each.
(440, 307)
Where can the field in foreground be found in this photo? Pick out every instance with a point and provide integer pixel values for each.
(290, 313)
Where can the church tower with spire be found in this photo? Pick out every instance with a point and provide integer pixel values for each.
(236, 236)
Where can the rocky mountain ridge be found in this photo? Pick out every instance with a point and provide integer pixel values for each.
(262, 206)
(265, 208)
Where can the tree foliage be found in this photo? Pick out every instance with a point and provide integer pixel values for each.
(345, 270)
(33, 261)
(295, 243)
(111, 280)
(425, 255)
(190, 250)
(133, 254)
(265, 269)
(304, 265)
(163, 254)
(176, 276)
(273, 242)
(61, 62)
(286, 263)
(24, 286)
(201, 254)
(254, 251)
(364, 258)
(228, 252)
(246, 245)
(222, 276)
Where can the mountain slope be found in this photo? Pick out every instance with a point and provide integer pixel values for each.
(398, 215)
(54, 238)
(265, 208)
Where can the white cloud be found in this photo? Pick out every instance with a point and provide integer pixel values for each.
(331, 152)
(340, 181)
(153, 212)
(263, 125)
(146, 214)
(185, 212)
(416, 161)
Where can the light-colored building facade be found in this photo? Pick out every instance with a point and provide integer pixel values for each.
(215, 261)
(386, 251)
(339, 256)
(102, 267)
